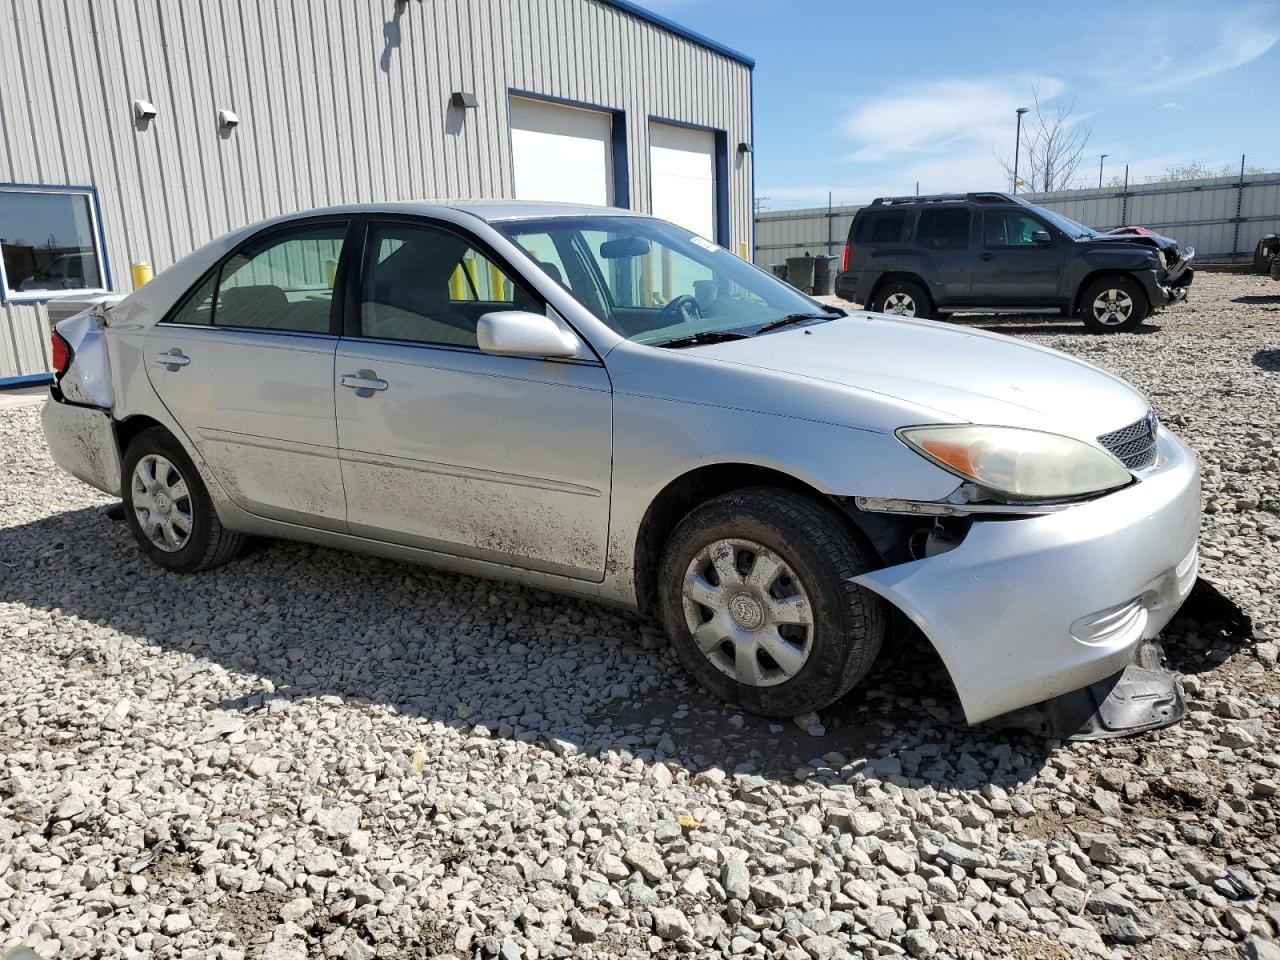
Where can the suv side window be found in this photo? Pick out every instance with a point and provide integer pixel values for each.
(1009, 228)
(425, 284)
(943, 228)
(881, 227)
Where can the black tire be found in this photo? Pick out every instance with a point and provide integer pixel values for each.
(848, 623)
(1115, 290)
(209, 544)
(916, 303)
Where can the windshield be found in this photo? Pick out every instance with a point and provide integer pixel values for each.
(654, 282)
(1075, 231)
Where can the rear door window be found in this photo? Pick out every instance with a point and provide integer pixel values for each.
(281, 281)
(880, 227)
(943, 228)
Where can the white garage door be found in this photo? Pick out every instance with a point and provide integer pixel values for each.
(561, 153)
(682, 176)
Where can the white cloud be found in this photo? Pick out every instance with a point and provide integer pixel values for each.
(1170, 105)
(939, 115)
(1222, 42)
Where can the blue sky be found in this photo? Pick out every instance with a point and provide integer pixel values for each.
(864, 98)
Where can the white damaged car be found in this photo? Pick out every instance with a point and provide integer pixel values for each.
(596, 402)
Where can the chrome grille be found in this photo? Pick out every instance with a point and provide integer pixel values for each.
(1134, 445)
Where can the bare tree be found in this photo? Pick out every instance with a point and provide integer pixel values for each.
(1052, 147)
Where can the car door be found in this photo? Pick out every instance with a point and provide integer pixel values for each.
(943, 251)
(245, 365)
(1020, 262)
(447, 448)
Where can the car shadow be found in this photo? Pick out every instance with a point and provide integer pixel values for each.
(1257, 298)
(1025, 324)
(292, 622)
(1268, 360)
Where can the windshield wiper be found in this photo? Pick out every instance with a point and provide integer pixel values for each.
(792, 318)
(695, 339)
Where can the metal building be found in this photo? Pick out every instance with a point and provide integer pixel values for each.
(137, 131)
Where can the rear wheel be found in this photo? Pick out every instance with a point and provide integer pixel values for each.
(1113, 305)
(168, 508)
(755, 595)
(902, 298)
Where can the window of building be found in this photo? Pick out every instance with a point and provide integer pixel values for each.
(428, 285)
(51, 242)
(945, 228)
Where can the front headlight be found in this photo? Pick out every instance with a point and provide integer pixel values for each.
(1017, 463)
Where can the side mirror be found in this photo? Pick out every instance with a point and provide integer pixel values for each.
(1041, 237)
(520, 333)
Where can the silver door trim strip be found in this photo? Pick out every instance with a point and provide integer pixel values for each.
(405, 463)
(468, 473)
(268, 443)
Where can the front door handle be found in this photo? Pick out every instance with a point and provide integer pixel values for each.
(174, 359)
(364, 382)
(985, 256)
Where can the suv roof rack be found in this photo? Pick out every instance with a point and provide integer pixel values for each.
(985, 197)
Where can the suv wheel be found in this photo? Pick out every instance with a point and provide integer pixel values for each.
(903, 299)
(168, 508)
(1113, 305)
(755, 595)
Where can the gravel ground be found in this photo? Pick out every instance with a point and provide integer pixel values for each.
(310, 753)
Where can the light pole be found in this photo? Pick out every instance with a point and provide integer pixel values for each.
(1017, 144)
(1100, 159)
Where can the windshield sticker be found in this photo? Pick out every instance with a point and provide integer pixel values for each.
(706, 244)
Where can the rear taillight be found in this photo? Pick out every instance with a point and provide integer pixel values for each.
(844, 264)
(61, 354)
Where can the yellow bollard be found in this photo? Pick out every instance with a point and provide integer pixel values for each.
(141, 273)
(455, 284)
(743, 252)
(330, 273)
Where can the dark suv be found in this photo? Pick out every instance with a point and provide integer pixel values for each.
(993, 253)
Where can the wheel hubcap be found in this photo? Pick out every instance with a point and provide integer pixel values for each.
(1112, 307)
(900, 304)
(748, 612)
(161, 503)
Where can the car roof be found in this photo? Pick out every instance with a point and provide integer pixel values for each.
(491, 211)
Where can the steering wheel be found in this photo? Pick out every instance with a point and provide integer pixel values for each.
(679, 309)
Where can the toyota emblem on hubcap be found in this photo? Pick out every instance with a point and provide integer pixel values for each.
(747, 611)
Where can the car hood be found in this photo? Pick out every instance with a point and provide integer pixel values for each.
(1157, 240)
(951, 373)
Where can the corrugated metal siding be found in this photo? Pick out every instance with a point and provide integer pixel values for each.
(338, 102)
(1199, 213)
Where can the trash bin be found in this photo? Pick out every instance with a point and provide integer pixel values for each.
(822, 275)
(800, 273)
(780, 271)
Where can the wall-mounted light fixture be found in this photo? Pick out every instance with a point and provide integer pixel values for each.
(143, 110)
(744, 147)
(463, 101)
(227, 118)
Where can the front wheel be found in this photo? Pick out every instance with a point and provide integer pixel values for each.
(756, 596)
(168, 508)
(1113, 305)
(902, 298)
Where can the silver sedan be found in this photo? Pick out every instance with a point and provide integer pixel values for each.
(597, 402)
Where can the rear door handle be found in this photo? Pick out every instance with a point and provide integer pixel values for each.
(985, 256)
(174, 359)
(364, 382)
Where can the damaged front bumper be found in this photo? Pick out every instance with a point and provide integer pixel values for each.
(1026, 609)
